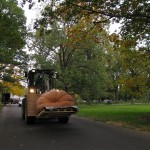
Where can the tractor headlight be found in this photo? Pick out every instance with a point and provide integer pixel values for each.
(32, 90)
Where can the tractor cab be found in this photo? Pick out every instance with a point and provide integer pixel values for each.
(40, 81)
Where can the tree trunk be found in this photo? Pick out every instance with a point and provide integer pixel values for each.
(117, 94)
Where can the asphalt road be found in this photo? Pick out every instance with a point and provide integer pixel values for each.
(78, 134)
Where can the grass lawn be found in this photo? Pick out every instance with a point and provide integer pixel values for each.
(135, 116)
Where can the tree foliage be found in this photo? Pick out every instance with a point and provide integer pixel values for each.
(130, 68)
(12, 31)
(134, 15)
(81, 50)
(12, 27)
(12, 39)
(76, 53)
(14, 88)
(135, 76)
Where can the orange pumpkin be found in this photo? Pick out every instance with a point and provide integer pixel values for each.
(54, 98)
(51, 95)
(42, 100)
(66, 97)
(66, 103)
(60, 94)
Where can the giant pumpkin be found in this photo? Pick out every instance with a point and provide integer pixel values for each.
(55, 98)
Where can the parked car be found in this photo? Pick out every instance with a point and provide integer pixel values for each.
(20, 103)
(107, 102)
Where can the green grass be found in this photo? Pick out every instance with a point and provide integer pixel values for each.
(132, 116)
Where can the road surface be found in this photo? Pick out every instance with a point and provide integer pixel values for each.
(78, 134)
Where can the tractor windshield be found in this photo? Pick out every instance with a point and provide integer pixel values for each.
(41, 80)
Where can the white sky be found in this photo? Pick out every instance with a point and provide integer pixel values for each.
(114, 28)
(30, 14)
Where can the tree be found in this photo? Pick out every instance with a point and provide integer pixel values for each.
(127, 68)
(133, 15)
(135, 77)
(12, 39)
(114, 68)
(76, 52)
(13, 33)
(82, 39)
(13, 30)
(14, 88)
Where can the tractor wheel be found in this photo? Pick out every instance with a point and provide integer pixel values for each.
(23, 109)
(63, 120)
(30, 120)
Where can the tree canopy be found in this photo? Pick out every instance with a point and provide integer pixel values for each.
(72, 37)
(133, 15)
(12, 39)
